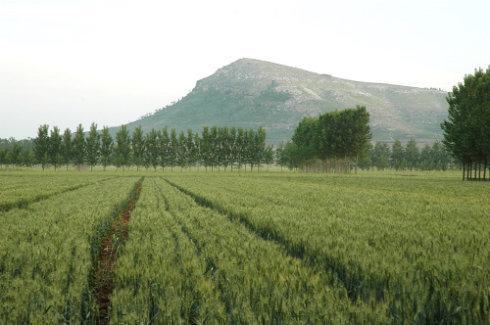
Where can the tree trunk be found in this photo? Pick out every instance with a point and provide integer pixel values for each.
(463, 171)
(485, 171)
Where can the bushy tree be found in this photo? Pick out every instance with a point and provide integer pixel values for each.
(3, 157)
(381, 156)
(467, 128)
(15, 154)
(307, 138)
(335, 136)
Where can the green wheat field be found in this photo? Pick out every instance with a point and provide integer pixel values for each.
(268, 247)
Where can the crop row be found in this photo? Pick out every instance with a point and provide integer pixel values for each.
(185, 263)
(18, 192)
(420, 254)
(46, 254)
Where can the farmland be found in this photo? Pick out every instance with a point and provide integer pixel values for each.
(243, 247)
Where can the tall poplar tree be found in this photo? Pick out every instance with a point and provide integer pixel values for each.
(163, 148)
(241, 150)
(122, 150)
(138, 146)
(41, 145)
(67, 147)
(54, 148)
(206, 148)
(412, 155)
(79, 146)
(397, 155)
(93, 146)
(173, 148)
(106, 147)
(181, 150)
(151, 149)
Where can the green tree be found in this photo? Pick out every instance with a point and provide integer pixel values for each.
(41, 145)
(397, 155)
(249, 155)
(307, 139)
(214, 141)
(55, 147)
(381, 156)
(441, 157)
(3, 157)
(151, 149)
(164, 148)
(196, 149)
(26, 157)
(234, 149)
(173, 149)
(190, 148)
(268, 156)
(206, 147)
(426, 158)
(364, 161)
(466, 130)
(122, 150)
(67, 148)
(92, 146)
(106, 147)
(412, 155)
(181, 150)
(15, 154)
(79, 147)
(138, 146)
(258, 149)
(241, 151)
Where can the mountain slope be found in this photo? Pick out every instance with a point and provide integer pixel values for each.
(251, 93)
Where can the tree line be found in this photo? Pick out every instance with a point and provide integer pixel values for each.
(16, 152)
(333, 141)
(381, 156)
(214, 147)
(467, 128)
(407, 157)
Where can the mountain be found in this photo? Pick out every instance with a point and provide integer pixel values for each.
(251, 93)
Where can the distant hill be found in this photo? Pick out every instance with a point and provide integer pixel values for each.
(251, 93)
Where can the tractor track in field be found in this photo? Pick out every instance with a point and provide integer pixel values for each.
(102, 279)
(24, 203)
(351, 282)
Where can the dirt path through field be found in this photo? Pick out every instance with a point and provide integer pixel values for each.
(109, 246)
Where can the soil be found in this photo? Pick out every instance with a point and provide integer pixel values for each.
(104, 273)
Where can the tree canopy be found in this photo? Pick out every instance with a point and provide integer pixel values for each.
(467, 128)
(335, 136)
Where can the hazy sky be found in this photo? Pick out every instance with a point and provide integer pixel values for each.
(68, 61)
